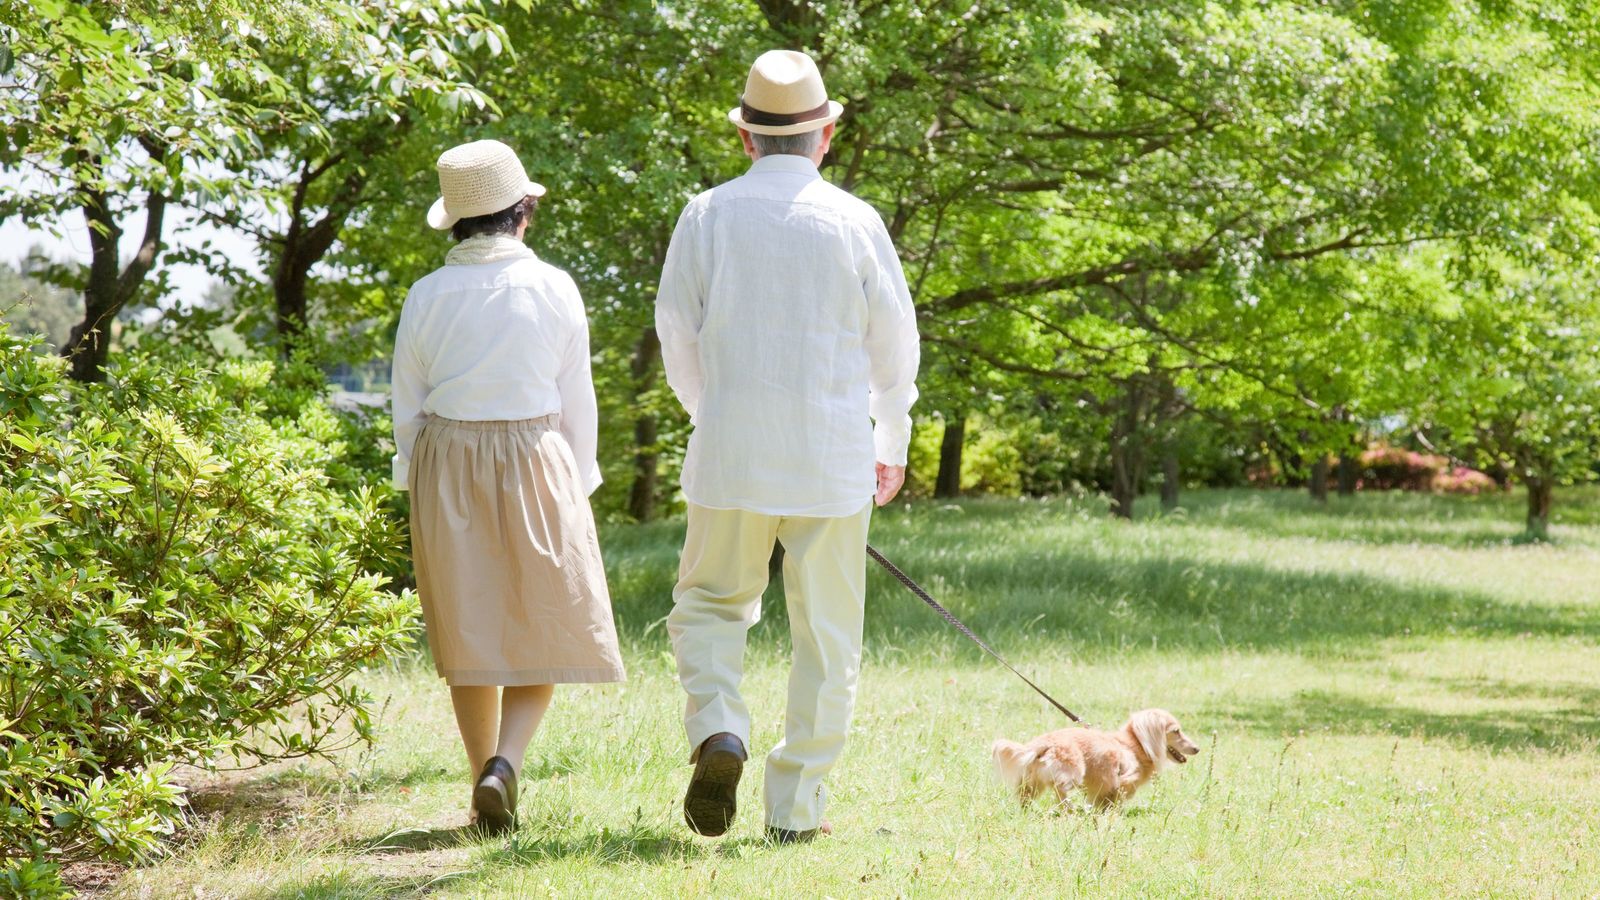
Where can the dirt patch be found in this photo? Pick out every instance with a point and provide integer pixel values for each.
(92, 879)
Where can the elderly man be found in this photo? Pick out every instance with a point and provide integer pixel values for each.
(787, 332)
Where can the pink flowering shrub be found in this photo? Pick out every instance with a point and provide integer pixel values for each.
(1385, 468)
(1462, 480)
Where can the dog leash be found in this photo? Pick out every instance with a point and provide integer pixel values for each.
(927, 598)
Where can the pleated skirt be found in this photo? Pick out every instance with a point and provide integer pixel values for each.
(506, 556)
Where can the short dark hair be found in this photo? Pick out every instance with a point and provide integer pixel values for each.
(503, 222)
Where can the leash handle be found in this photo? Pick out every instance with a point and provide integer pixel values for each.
(927, 598)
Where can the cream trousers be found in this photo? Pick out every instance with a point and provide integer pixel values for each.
(718, 597)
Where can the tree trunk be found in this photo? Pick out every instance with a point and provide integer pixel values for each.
(642, 494)
(1127, 452)
(1319, 479)
(1501, 474)
(90, 342)
(948, 482)
(306, 242)
(1541, 496)
(108, 290)
(1169, 478)
(1348, 467)
(1123, 489)
(1170, 410)
(289, 292)
(1347, 475)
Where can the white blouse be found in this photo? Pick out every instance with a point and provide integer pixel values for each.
(505, 339)
(787, 331)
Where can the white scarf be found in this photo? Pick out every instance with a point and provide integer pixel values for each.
(487, 248)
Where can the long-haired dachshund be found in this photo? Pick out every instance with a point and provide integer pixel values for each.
(1108, 766)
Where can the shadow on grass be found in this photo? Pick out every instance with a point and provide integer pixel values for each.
(632, 845)
(343, 884)
(1581, 695)
(533, 844)
(1028, 572)
(1389, 517)
(1444, 535)
(1096, 602)
(1378, 519)
(552, 762)
(378, 872)
(1570, 729)
(1099, 606)
(261, 800)
(418, 840)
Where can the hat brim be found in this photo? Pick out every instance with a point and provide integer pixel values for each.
(835, 110)
(442, 219)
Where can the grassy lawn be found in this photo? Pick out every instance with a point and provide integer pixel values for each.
(1394, 697)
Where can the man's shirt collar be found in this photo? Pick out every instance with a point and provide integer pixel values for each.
(786, 163)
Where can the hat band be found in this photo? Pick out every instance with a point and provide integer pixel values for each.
(755, 116)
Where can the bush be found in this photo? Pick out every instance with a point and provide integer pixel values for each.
(1386, 468)
(180, 581)
(1462, 480)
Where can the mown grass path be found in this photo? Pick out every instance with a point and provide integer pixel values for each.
(1394, 698)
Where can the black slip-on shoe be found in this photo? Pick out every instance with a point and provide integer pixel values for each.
(712, 798)
(495, 796)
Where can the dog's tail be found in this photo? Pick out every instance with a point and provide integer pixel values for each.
(1012, 761)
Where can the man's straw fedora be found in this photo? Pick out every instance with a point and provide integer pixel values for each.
(784, 95)
(477, 179)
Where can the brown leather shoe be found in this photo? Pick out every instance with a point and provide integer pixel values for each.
(495, 796)
(712, 798)
(785, 836)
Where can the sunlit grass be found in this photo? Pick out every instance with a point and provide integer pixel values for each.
(1395, 698)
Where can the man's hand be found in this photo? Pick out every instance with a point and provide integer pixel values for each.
(890, 479)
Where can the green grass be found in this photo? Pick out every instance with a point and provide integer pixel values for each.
(1394, 695)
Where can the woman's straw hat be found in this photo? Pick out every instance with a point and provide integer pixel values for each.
(784, 95)
(477, 179)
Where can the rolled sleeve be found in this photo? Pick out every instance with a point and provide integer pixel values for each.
(680, 305)
(580, 413)
(409, 390)
(893, 349)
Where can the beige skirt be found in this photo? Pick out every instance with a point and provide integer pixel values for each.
(507, 560)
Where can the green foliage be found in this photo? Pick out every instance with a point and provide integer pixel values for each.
(1248, 213)
(1154, 210)
(373, 119)
(1046, 450)
(995, 459)
(113, 108)
(182, 578)
(211, 79)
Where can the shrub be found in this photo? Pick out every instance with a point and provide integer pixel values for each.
(1462, 480)
(180, 580)
(1386, 468)
(990, 461)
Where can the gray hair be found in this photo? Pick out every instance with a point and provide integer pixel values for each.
(803, 144)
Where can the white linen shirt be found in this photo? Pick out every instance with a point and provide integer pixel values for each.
(497, 340)
(787, 330)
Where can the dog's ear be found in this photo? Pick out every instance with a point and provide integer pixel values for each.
(1149, 728)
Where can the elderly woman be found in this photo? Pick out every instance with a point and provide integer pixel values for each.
(495, 430)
